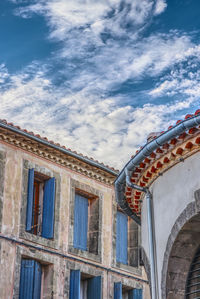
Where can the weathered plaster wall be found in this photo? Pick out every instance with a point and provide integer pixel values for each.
(14, 163)
(12, 192)
(172, 192)
(2, 179)
(7, 266)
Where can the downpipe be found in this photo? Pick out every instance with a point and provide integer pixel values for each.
(124, 178)
(151, 236)
(152, 247)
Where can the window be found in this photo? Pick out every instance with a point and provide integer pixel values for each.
(83, 286)
(122, 238)
(124, 292)
(86, 222)
(127, 252)
(34, 278)
(40, 204)
(80, 222)
(85, 230)
(30, 279)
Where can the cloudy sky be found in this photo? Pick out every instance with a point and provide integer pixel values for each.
(99, 75)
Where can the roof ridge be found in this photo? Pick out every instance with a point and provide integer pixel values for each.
(57, 144)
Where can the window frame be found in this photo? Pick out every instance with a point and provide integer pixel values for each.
(92, 194)
(133, 252)
(41, 193)
(33, 279)
(122, 219)
(123, 284)
(93, 283)
(48, 268)
(131, 292)
(46, 172)
(81, 217)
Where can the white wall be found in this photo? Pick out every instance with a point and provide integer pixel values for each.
(172, 192)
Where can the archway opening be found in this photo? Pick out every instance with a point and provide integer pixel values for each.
(192, 289)
(181, 258)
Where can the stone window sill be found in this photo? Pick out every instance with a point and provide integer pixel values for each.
(84, 254)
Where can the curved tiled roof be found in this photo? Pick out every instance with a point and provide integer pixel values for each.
(163, 158)
(80, 156)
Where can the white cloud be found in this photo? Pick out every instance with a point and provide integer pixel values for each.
(66, 15)
(106, 54)
(160, 7)
(95, 127)
(165, 87)
(90, 36)
(183, 80)
(3, 73)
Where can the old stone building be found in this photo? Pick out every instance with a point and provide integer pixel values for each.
(61, 232)
(166, 169)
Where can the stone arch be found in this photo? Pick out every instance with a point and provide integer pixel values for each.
(180, 250)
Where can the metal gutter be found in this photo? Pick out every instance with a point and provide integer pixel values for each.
(124, 177)
(56, 147)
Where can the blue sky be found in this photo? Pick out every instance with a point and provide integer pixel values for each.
(99, 75)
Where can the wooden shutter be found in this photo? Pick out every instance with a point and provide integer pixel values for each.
(48, 209)
(137, 294)
(37, 280)
(26, 279)
(122, 238)
(117, 290)
(75, 279)
(80, 222)
(30, 280)
(94, 288)
(29, 210)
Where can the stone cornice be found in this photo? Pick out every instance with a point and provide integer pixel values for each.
(57, 156)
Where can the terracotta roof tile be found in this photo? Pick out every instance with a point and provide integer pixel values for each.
(161, 159)
(57, 144)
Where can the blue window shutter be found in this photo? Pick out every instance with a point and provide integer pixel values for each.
(80, 222)
(117, 290)
(75, 279)
(94, 288)
(30, 200)
(30, 280)
(122, 238)
(26, 279)
(48, 209)
(137, 294)
(37, 280)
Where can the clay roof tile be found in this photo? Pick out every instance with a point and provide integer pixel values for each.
(52, 142)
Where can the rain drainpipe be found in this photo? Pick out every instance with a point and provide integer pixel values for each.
(151, 236)
(124, 178)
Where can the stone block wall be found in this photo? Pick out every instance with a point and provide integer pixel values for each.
(58, 256)
(2, 178)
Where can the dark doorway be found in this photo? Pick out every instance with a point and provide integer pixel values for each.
(193, 281)
(183, 256)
